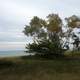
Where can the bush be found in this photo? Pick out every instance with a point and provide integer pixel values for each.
(45, 47)
(73, 53)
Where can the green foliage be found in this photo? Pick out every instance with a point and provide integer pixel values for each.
(46, 47)
(34, 26)
(54, 22)
(37, 25)
(74, 53)
(47, 34)
(72, 21)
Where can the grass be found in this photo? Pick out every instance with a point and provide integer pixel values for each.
(32, 68)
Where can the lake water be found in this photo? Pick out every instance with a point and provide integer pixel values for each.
(13, 53)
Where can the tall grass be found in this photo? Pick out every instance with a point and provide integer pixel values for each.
(32, 68)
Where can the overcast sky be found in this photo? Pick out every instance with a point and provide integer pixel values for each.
(14, 14)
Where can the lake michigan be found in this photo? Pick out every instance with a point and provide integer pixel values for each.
(13, 53)
(12, 49)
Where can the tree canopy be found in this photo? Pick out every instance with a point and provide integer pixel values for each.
(73, 21)
(48, 33)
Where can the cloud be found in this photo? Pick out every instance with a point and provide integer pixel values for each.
(14, 14)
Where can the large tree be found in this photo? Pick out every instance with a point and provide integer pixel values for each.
(48, 34)
(45, 33)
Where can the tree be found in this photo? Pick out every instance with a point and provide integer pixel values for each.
(46, 34)
(72, 23)
(34, 27)
(54, 23)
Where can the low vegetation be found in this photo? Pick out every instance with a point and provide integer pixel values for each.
(38, 68)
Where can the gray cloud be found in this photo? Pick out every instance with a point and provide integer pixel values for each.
(14, 14)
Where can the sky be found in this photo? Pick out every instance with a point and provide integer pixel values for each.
(15, 14)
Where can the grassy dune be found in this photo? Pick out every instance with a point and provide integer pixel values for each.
(31, 68)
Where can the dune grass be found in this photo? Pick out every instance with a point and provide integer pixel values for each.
(32, 68)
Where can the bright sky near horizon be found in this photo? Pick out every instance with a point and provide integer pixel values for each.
(14, 14)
